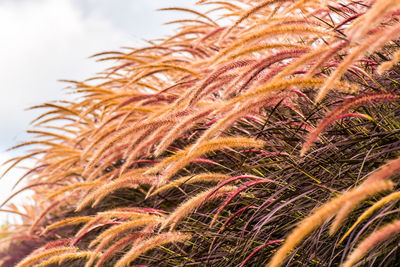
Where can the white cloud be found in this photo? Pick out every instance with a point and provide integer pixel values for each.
(46, 40)
(43, 41)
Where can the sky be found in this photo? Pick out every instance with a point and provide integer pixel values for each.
(44, 41)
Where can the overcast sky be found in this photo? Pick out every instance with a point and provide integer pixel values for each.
(42, 41)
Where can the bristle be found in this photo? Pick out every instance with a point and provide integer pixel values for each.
(188, 206)
(370, 210)
(40, 256)
(320, 215)
(371, 241)
(151, 243)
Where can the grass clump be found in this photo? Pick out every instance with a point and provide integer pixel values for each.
(284, 113)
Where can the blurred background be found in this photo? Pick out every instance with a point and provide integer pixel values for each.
(43, 41)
